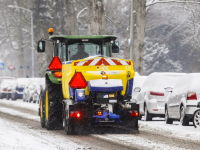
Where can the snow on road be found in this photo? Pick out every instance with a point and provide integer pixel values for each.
(153, 134)
(15, 136)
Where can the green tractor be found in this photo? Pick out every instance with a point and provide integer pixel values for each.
(85, 86)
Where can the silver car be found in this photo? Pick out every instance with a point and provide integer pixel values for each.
(152, 96)
(184, 101)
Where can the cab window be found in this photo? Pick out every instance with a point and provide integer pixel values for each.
(60, 51)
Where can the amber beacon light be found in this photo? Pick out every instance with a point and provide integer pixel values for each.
(51, 31)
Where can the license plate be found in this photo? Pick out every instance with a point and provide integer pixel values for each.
(111, 95)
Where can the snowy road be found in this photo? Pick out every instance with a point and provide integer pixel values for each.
(20, 129)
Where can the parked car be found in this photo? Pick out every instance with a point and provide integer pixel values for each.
(39, 88)
(152, 96)
(17, 91)
(5, 78)
(138, 82)
(6, 88)
(184, 100)
(29, 90)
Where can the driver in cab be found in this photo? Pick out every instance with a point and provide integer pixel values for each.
(81, 52)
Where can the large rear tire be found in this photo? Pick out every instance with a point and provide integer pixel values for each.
(42, 110)
(53, 106)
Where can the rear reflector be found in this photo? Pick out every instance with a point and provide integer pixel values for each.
(55, 64)
(191, 96)
(75, 114)
(58, 74)
(157, 93)
(78, 81)
(134, 113)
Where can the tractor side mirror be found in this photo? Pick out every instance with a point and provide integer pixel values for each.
(41, 46)
(115, 47)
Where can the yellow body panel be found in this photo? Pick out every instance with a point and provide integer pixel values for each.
(94, 72)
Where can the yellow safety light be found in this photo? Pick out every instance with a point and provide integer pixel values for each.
(51, 31)
(104, 76)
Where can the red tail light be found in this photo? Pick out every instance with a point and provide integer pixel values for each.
(75, 114)
(55, 64)
(5, 90)
(78, 81)
(191, 96)
(134, 113)
(157, 93)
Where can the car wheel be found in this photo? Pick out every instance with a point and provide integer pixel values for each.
(167, 119)
(7, 97)
(183, 119)
(30, 100)
(13, 97)
(196, 119)
(147, 115)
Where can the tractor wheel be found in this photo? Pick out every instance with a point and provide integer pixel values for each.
(53, 106)
(42, 110)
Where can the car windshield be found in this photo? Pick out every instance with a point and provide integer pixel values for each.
(80, 50)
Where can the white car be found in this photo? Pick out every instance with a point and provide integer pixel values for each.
(2, 79)
(29, 90)
(17, 91)
(138, 82)
(152, 96)
(6, 88)
(184, 100)
(38, 89)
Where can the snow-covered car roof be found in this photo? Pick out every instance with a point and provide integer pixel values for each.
(22, 82)
(6, 83)
(159, 81)
(189, 82)
(6, 78)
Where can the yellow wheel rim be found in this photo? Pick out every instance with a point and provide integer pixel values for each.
(47, 105)
(41, 109)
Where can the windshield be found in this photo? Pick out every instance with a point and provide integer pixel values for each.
(81, 50)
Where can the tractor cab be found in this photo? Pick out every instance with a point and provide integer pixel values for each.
(76, 47)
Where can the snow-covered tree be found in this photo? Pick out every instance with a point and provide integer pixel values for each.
(157, 59)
